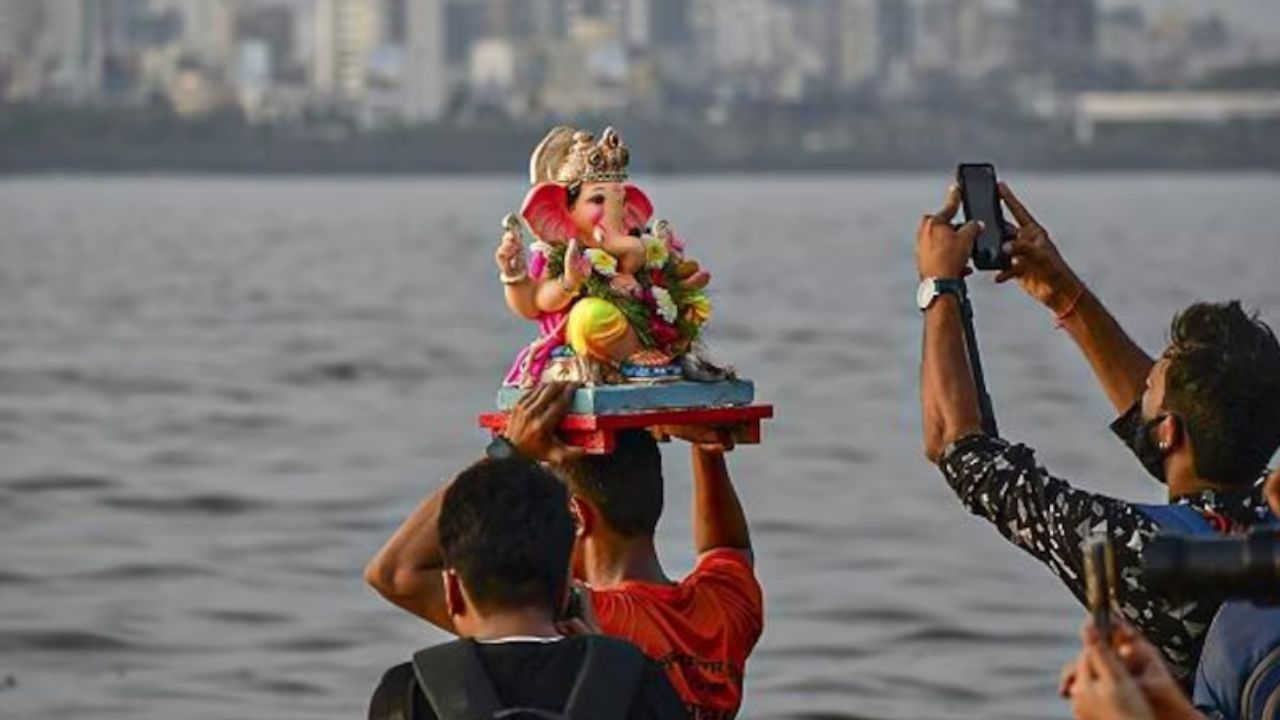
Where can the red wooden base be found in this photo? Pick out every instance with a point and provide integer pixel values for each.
(595, 433)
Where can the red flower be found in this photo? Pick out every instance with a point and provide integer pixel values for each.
(657, 278)
(663, 333)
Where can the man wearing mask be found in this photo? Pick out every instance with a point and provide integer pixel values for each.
(1203, 418)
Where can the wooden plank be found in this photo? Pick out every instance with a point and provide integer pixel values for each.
(639, 397)
(596, 433)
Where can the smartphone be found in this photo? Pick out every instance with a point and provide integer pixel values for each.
(981, 201)
(1100, 583)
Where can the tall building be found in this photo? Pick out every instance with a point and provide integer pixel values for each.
(425, 83)
(1057, 38)
(20, 22)
(858, 53)
(70, 48)
(346, 34)
(669, 23)
(895, 20)
(208, 29)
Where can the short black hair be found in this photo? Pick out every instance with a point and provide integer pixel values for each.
(506, 530)
(1223, 381)
(626, 484)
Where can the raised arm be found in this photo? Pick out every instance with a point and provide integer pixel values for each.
(948, 397)
(1119, 364)
(718, 519)
(406, 571)
(531, 297)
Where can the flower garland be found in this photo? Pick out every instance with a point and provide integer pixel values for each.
(666, 313)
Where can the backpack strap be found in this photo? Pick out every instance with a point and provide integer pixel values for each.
(607, 682)
(455, 682)
(1262, 689)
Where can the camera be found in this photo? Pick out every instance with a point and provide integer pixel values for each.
(1227, 568)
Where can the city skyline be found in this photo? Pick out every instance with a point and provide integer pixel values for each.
(414, 61)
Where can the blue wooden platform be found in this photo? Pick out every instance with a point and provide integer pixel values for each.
(614, 399)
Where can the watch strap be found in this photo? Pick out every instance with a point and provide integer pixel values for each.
(500, 448)
(949, 285)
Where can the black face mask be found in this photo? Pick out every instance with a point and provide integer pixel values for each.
(1137, 436)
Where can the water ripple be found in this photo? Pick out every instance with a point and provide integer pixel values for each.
(211, 504)
(58, 482)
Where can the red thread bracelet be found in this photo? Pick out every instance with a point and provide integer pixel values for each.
(1071, 308)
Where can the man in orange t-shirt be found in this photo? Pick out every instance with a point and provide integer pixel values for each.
(700, 629)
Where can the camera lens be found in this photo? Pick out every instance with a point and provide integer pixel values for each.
(1245, 567)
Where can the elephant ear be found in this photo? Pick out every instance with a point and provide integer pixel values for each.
(638, 209)
(546, 209)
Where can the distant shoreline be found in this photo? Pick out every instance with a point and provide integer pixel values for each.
(42, 140)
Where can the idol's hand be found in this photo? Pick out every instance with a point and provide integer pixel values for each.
(510, 256)
(1035, 261)
(941, 250)
(576, 267)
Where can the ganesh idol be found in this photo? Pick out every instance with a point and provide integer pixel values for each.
(615, 299)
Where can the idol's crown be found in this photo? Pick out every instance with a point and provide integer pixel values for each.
(570, 157)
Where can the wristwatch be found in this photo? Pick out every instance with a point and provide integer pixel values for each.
(501, 449)
(931, 288)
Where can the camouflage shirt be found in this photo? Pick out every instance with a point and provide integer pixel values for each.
(1050, 519)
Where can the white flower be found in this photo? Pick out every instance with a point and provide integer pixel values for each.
(601, 261)
(667, 309)
(655, 253)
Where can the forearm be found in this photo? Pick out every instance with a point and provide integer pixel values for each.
(1119, 364)
(522, 298)
(552, 297)
(406, 571)
(949, 399)
(718, 519)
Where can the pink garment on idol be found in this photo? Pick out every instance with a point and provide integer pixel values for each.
(550, 338)
(551, 334)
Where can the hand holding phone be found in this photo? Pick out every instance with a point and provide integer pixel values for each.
(980, 199)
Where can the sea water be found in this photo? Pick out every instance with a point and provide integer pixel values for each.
(218, 396)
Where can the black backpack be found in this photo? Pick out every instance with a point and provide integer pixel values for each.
(457, 686)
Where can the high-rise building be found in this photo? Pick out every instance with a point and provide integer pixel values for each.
(1057, 38)
(70, 48)
(346, 34)
(208, 29)
(896, 30)
(274, 27)
(857, 44)
(669, 23)
(973, 54)
(395, 21)
(20, 22)
(425, 83)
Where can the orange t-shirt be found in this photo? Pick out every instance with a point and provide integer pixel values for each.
(700, 630)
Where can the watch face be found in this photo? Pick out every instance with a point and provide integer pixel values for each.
(925, 294)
